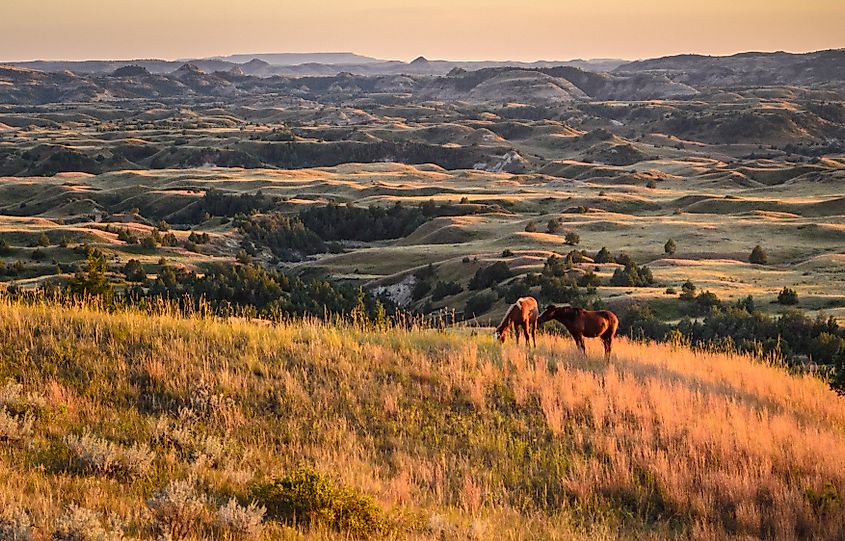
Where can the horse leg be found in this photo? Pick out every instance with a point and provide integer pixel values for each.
(607, 339)
(525, 333)
(516, 331)
(579, 341)
(534, 333)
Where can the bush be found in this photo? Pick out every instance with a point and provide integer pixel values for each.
(478, 304)
(134, 271)
(572, 238)
(632, 276)
(788, 296)
(688, 291)
(670, 247)
(758, 256)
(421, 289)
(507, 253)
(306, 496)
(603, 256)
(15, 525)
(531, 227)
(445, 289)
(102, 456)
(240, 521)
(80, 524)
(554, 225)
(43, 240)
(178, 509)
(491, 275)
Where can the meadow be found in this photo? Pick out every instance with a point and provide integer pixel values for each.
(128, 424)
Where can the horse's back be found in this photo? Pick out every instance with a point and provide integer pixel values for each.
(610, 317)
(529, 307)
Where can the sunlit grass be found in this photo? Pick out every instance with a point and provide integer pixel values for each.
(453, 435)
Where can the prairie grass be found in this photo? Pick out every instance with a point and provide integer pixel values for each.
(452, 435)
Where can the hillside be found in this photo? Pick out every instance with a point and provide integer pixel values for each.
(451, 435)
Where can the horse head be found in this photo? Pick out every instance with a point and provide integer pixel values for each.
(558, 312)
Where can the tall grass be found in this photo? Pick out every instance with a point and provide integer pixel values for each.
(454, 436)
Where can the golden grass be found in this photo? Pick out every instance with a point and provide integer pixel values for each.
(462, 438)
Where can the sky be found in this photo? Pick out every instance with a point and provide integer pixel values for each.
(404, 29)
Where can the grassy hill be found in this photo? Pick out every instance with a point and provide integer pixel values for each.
(153, 423)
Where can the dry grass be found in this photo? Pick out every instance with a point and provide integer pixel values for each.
(454, 436)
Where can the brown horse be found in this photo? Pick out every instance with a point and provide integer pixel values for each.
(584, 323)
(522, 314)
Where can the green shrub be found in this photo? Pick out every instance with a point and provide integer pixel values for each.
(603, 256)
(758, 256)
(788, 296)
(305, 496)
(479, 304)
(490, 275)
(670, 247)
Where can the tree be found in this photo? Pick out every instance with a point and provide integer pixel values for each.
(670, 247)
(758, 256)
(43, 240)
(603, 256)
(479, 304)
(554, 225)
(572, 238)
(134, 271)
(788, 296)
(93, 281)
(688, 291)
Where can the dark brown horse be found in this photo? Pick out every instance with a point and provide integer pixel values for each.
(584, 324)
(523, 316)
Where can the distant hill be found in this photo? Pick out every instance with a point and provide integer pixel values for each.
(294, 59)
(747, 69)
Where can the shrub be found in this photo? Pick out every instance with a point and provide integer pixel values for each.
(305, 495)
(244, 522)
(632, 276)
(134, 271)
(788, 296)
(149, 242)
(554, 225)
(603, 256)
(178, 509)
(758, 256)
(15, 525)
(491, 275)
(507, 253)
(670, 247)
(445, 289)
(43, 240)
(531, 227)
(479, 304)
(13, 428)
(80, 524)
(572, 238)
(421, 289)
(687, 291)
(102, 456)
(590, 279)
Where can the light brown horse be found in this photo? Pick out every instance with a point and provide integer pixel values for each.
(584, 323)
(522, 315)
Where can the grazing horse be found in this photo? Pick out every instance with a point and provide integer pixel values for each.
(522, 314)
(584, 323)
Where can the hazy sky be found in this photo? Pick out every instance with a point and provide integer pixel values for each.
(404, 29)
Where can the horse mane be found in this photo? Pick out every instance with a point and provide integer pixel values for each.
(506, 321)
